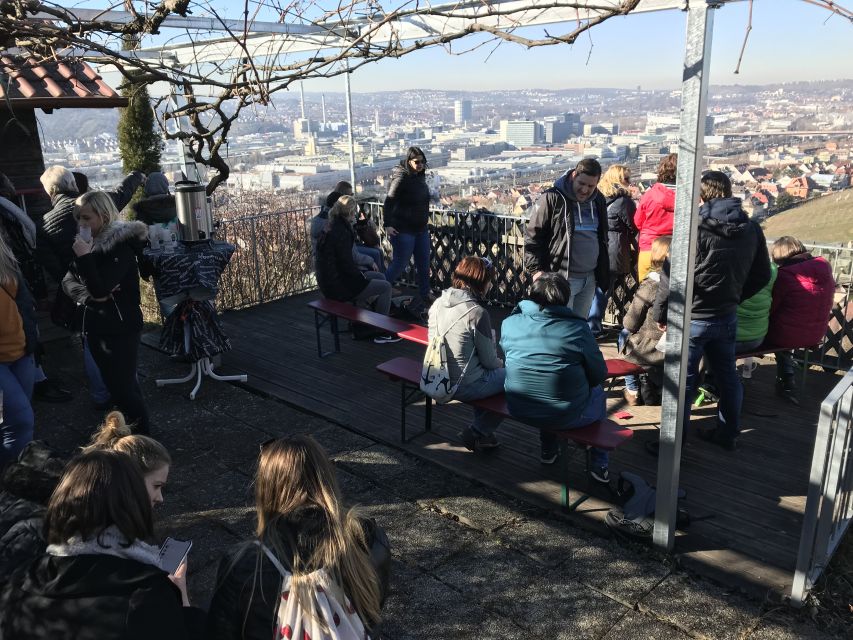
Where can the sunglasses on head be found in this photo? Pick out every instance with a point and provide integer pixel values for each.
(487, 262)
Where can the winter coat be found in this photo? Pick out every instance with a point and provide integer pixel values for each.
(550, 230)
(248, 585)
(123, 193)
(406, 206)
(94, 597)
(109, 270)
(22, 543)
(621, 230)
(469, 338)
(552, 361)
(56, 235)
(802, 301)
(753, 314)
(157, 209)
(316, 227)
(19, 232)
(337, 273)
(27, 310)
(655, 214)
(732, 263)
(640, 346)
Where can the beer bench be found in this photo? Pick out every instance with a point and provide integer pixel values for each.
(604, 434)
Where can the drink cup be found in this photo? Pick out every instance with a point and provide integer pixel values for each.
(85, 233)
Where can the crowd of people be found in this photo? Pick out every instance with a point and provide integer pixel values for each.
(78, 555)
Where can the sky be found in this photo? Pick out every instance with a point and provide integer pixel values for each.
(790, 40)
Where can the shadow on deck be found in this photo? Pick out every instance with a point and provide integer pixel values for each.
(746, 507)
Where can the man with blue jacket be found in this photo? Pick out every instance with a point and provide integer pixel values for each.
(554, 368)
(567, 234)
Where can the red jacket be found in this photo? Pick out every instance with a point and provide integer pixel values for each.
(655, 214)
(802, 300)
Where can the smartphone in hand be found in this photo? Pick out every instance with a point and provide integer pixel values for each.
(173, 553)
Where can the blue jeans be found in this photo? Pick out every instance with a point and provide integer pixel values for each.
(595, 410)
(631, 381)
(405, 246)
(583, 292)
(16, 381)
(715, 339)
(596, 311)
(374, 253)
(485, 422)
(97, 389)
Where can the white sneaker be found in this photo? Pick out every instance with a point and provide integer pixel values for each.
(387, 339)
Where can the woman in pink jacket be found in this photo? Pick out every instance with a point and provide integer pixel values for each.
(655, 213)
(799, 313)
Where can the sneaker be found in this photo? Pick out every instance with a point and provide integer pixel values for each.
(632, 398)
(474, 441)
(549, 456)
(785, 389)
(387, 338)
(600, 474)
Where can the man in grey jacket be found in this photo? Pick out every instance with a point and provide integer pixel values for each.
(567, 234)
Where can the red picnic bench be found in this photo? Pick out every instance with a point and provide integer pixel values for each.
(604, 434)
(328, 311)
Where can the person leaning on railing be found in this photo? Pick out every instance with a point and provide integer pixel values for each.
(799, 313)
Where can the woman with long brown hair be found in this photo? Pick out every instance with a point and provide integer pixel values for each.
(309, 571)
(101, 576)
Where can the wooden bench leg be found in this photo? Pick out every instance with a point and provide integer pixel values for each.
(320, 319)
(565, 466)
(409, 394)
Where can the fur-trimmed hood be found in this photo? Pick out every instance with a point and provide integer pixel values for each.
(120, 231)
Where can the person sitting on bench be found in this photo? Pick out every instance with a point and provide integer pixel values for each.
(554, 368)
(473, 361)
(799, 312)
(337, 274)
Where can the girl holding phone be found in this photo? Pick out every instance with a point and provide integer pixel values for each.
(100, 577)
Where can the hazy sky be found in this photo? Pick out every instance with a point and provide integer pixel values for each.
(790, 40)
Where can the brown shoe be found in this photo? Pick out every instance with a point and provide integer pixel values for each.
(632, 398)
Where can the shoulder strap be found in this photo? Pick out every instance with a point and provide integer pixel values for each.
(441, 334)
(276, 563)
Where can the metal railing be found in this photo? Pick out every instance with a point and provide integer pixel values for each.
(829, 504)
(273, 258)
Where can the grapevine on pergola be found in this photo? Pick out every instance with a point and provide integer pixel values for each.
(344, 36)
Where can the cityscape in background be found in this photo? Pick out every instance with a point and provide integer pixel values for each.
(495, 150)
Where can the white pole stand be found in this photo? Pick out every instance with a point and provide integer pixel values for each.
(199, 368)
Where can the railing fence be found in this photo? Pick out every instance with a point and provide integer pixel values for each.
(829, 504)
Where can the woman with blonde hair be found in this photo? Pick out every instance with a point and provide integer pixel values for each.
(104, 282)
(338, 275)
(310, 571)
(151, 457)
(614, 186)
(18, 338)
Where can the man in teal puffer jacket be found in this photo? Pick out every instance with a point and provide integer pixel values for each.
(554, 368)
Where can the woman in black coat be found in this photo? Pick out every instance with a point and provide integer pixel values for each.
(406, 214)
(104, 281)
(100, 579)
(621, 235)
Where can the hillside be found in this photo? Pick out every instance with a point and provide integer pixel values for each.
(826, 220)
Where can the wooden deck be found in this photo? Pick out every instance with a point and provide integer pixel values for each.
(746, 507)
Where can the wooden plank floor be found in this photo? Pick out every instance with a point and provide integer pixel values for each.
(746, 507)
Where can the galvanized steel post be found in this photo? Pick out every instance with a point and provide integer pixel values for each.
(694, 93)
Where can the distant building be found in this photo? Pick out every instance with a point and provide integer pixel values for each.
(462, 111)
(521, 133)
(709, 125)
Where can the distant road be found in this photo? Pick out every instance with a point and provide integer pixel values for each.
(756, 134)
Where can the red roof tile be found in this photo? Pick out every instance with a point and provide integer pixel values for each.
(25, 82)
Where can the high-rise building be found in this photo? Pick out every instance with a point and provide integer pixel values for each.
(521, 133)
(462, 111)
(709, 125)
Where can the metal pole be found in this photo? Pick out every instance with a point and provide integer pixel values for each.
(349, 131)
(694, 92)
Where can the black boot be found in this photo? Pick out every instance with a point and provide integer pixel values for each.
(649, 392)
(785, 388)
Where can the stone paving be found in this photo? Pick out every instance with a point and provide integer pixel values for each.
(469, 562)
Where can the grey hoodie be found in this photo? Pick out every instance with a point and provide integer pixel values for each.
(470, 337)
(584, 253)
